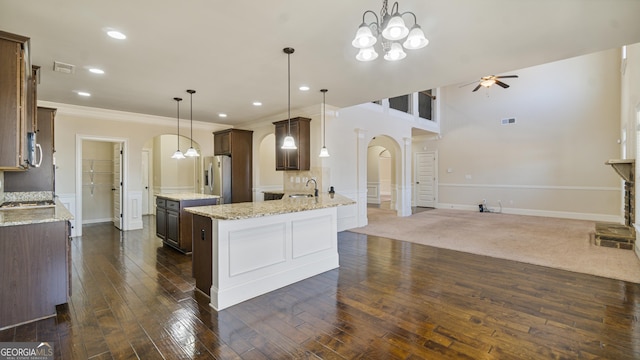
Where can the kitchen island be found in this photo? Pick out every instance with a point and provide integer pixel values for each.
(173, 224)
(35, 261)
(244, 250)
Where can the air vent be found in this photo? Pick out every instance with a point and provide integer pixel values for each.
(63, 68)
(508, 121)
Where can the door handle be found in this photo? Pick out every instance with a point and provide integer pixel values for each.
(202, 232)
(40, 156)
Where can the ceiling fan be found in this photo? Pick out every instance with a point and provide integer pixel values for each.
(487, 81)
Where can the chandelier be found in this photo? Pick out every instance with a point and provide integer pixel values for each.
(390, 29)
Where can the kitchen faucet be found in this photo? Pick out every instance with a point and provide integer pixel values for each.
(315, 189)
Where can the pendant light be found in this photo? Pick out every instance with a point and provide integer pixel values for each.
(289, 143)
(178, 154)
(191, 152)
(324, 152)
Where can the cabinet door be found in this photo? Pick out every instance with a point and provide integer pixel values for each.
(293, 156)
(161, 223)
(222, 143)
(281, 155)
(12, 114)
(202, 253)
(173, 227)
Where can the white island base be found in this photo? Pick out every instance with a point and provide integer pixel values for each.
(254, 256)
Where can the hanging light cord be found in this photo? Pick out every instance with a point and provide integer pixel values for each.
(324, 117)
(178, 117)
(289, 91)
(191, 115)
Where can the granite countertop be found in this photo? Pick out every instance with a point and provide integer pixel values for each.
(285, 205)
(187, 196)
(26, 216)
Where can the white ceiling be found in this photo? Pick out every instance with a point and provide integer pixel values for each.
(231, 52)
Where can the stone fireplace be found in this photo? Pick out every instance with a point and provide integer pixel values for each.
(621, 236)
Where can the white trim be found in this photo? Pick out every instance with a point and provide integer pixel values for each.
(545, 213)
(542, 187)
(90, 113)
(69, 201)
(96, 221)
(125, 176)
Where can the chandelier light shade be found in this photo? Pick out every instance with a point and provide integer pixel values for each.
(390, 29)
(178, 154)
(324, 152)
(289, 143)
(191, 152)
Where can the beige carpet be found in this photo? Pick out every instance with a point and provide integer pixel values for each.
(557, 243)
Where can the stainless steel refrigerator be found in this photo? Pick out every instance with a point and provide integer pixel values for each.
(217, 177)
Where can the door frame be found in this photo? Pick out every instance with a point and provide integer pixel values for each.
(125, 177)
(435, 175)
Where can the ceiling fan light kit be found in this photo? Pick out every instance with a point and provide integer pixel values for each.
(488, 81)
(390, 28)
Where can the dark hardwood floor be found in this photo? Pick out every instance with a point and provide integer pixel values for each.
(133, 298)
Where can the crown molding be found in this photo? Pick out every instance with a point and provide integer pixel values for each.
(123, 116)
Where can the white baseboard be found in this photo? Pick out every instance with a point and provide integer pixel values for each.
(96, 221)
(544, 213)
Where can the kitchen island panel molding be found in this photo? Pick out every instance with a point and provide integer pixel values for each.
(271, 247)
(232, 287)
(310, 242)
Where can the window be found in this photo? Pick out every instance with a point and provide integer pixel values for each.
(425, 104)
(401, 103)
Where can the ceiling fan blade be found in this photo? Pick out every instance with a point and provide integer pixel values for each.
(477, 87)
(506, 76)
(500, 83)
(473, 82)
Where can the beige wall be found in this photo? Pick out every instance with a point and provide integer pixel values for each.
(137, 129)
(552, 159)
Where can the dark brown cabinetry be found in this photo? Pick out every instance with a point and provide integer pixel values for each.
(238, 144)
(202, 255)
(173, 223)
(17, 100)
(40, 178)
(34, 271)
(298, 159)
(272, 196)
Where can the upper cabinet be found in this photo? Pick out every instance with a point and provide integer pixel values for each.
(238, 145)
(299, 158)
(17, 100)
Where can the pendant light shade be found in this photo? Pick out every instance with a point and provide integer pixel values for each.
(324, 152)
(178, 154)
(191, 152)
(289, 143)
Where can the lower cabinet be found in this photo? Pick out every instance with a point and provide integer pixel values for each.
(173, 223)
(34, 271)
(202, 247)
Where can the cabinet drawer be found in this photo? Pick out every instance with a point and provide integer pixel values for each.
(173, 205)
(161, 202)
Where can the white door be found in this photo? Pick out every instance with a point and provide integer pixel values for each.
(145, 182)
(425, 185)
(117, 185)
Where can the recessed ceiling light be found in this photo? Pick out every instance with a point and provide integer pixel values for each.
(257, 103)
(222, 115)
(83, 93)
(96, 71)
(116, 34)
(304, 88)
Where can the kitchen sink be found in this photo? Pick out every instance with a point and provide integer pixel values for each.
(300, 195)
